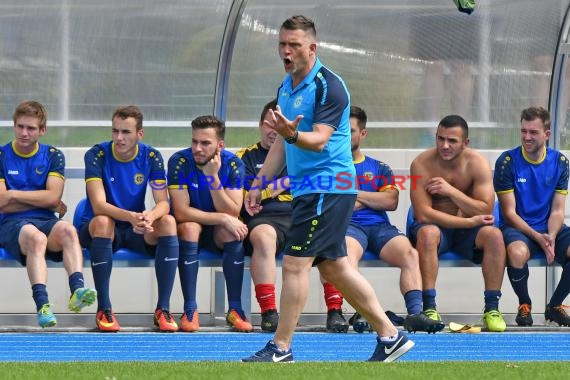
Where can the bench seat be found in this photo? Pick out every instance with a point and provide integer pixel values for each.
(128, 258)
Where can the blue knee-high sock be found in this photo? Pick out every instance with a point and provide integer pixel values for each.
(165, 263)
(563, 287)
(428, 298)
(101, 252)
(188, 265)
(76, 281)
(492, 298)
(519, 282)
(40, 296)
(233, 272)
(413, 300)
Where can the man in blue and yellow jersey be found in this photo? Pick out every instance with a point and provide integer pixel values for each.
(205, 183)
(117, 174)
(370, 229)
(531, 182)
(267, 230)
(312, 119)
(31, 187)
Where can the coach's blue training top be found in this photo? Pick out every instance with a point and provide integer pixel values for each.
(322, 98)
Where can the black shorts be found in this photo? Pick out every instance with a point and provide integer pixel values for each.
(281, 223)
(319, 223)
(125, 237)
(11, 233)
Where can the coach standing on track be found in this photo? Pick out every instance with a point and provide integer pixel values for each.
(312, 118)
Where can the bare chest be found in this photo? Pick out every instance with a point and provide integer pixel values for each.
(460, 178)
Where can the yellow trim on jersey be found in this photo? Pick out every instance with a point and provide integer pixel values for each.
(540, 159)
(505, 191)
(359, 161)
(285, 197)
(56, 174)
(389, 187)
(242, 151)
(175, 187)
(22, 154)
(266, 194)
(93, 179)
(563, 192)
(127, 160)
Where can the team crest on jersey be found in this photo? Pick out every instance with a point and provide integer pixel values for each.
(298, 101)
(139, 178)
(562, 158)
(368, 175)
(40, 170)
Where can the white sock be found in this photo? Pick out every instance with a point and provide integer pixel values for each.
(389, 339)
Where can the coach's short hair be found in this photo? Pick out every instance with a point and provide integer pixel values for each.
(300, 22)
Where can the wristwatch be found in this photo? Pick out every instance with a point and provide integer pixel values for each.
(292, 139)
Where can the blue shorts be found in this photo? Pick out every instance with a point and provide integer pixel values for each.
(319, 224)
(125, 237)
(457, 240)
(375, 237)
(207, 241)
(11, 231)
(511, 234)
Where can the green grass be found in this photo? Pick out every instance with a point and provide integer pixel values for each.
(301, 370)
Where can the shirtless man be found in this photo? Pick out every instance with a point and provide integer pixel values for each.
(453, 206)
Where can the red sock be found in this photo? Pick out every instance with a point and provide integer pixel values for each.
(333, 297)
(265, 294)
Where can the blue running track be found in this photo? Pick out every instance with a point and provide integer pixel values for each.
(306, 346)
